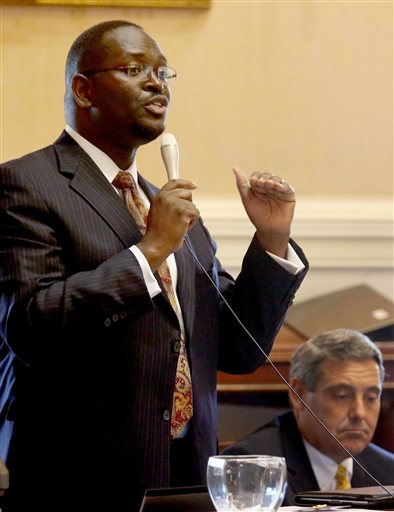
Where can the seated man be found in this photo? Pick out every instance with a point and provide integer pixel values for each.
(339, 375)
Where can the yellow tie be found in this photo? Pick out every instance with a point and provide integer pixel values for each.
(341, 477)
(182, 407)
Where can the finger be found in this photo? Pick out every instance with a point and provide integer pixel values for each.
(282, 186)
(175, 194)
(262, 177)
(180, 183)
(243, 184)
(193, 219)
(265, 181)
(241, 178)
(284, 192)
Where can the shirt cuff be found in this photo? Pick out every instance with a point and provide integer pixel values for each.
(292, 263)
(150, 280)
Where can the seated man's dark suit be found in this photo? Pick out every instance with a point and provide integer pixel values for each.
(281, 437)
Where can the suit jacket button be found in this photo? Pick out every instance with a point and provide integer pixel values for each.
(107, 322)
(115, 318)
(166, 415)
(176, 347)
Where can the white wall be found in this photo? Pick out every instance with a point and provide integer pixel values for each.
(347, 242)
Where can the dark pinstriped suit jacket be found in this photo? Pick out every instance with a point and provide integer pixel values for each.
(281, 437)
(88, 362)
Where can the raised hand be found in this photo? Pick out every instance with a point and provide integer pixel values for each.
(269, 202)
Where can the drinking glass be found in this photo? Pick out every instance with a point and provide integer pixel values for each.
(246, 482)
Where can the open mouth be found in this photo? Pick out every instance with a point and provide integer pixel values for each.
(157, 106)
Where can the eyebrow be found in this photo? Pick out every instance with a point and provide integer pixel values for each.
(378, 389)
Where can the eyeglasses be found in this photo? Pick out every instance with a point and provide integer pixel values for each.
(139, 71)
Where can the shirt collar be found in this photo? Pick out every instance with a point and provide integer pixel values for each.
(325, 468)
(106, 165)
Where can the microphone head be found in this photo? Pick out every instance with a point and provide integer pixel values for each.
(168, 139)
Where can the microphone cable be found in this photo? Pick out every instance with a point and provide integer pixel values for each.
(170, 156)
(281, 376)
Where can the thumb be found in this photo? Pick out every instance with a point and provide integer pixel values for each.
(242, 181)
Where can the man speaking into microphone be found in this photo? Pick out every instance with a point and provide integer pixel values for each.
(113, 331)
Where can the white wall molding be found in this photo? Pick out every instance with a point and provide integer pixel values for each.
(348, 240)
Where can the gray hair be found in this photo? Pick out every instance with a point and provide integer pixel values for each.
(335, 345)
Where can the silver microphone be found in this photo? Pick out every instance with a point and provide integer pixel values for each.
(170, 154)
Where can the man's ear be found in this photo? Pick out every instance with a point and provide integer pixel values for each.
(81, 89)
(300, 388)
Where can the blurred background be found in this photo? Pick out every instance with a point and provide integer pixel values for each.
(303, 89)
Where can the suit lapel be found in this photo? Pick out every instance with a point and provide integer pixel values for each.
(360, 477)
(300, 469)
(89, 182)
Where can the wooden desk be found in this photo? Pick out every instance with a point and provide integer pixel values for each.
(266, 381)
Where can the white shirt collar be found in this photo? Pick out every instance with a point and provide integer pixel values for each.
(325, 468)
(106, 165)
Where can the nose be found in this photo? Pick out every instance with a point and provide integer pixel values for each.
(152, 81)
(358, 407)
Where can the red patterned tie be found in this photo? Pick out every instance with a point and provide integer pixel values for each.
(182, 409)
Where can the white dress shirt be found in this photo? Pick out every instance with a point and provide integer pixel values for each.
(326, 468)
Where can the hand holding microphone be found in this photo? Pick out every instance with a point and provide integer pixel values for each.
(172, 212)
(170, 155)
